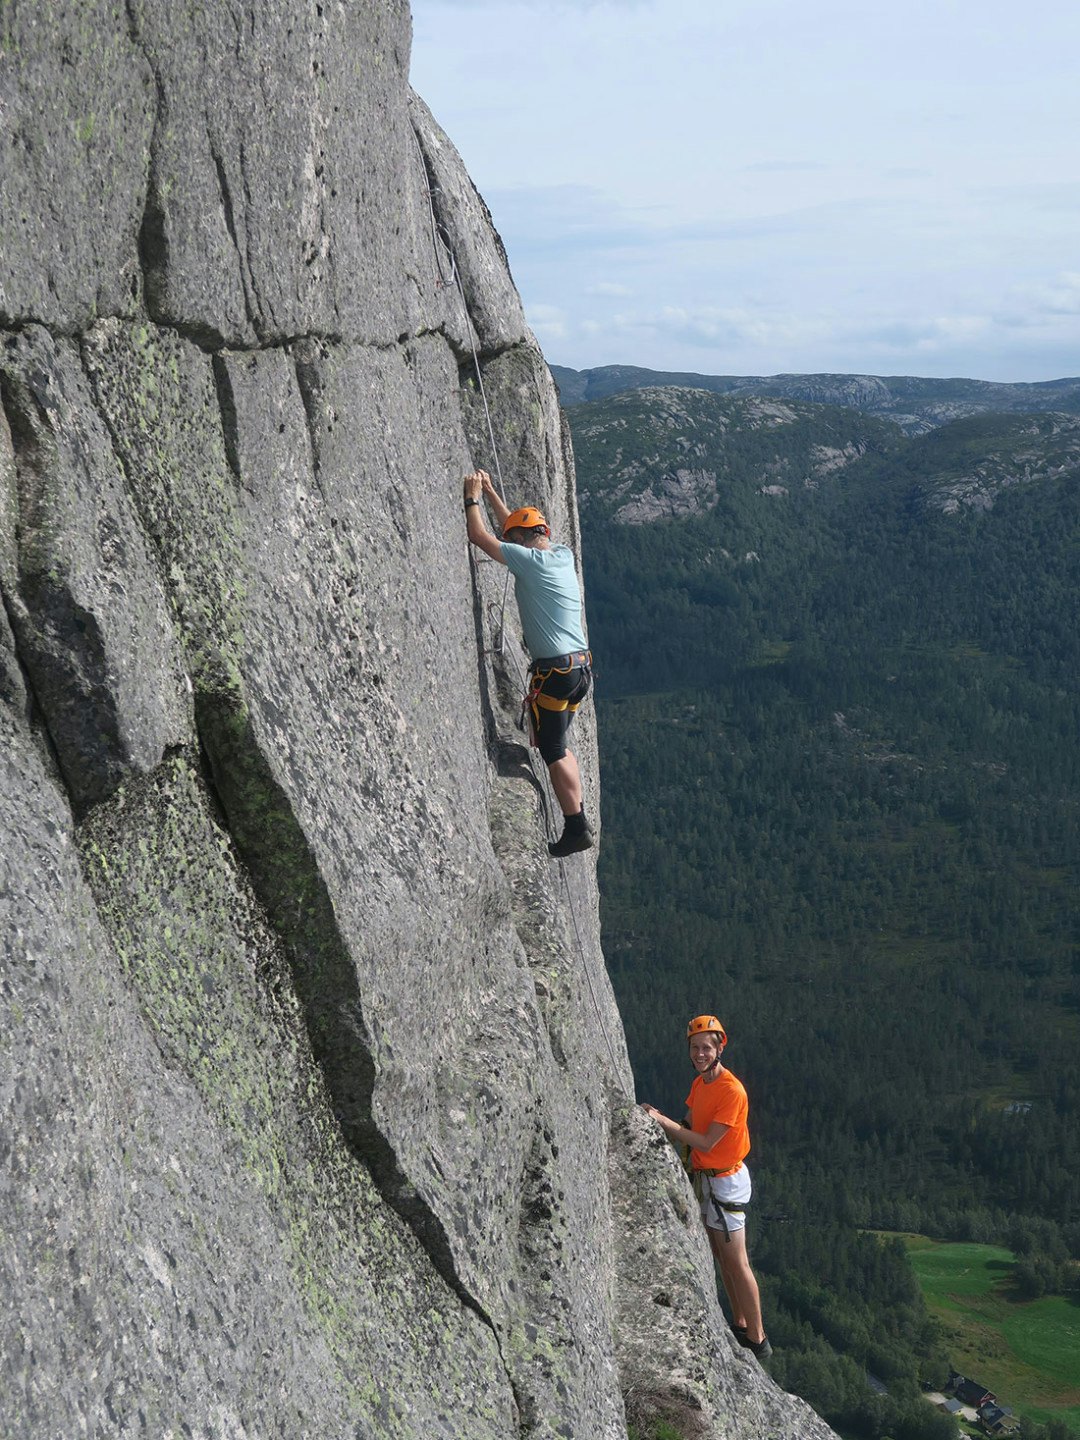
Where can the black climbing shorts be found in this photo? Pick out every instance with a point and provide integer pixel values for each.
(554, 695)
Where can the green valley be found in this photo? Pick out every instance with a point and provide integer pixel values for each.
(1027, 1351)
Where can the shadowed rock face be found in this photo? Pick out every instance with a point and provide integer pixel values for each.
(315, 1116)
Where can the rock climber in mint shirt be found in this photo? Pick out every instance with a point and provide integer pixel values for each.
(549, 604)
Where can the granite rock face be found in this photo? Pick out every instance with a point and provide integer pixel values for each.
(316, 1115)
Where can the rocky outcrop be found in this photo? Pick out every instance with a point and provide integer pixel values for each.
(654, 454)
(315, 1097)
(670, 496)
(1029, 451)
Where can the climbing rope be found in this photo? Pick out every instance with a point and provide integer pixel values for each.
(440, 242)
(500, 629)
(549, 807)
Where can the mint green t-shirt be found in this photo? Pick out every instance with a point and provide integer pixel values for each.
(548, 598)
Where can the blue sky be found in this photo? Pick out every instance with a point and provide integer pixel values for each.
(758, 186)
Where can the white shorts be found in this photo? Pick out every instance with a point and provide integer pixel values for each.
(720, 1189)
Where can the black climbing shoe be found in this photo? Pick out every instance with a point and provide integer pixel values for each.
(739, 1331)
(568, 844)
(761, 1348)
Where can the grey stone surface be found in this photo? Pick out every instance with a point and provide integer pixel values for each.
(285, 197)
(190, 1247)
(309, 1063)
(469, 254)
(83, 599)
(76, 112)
(667, 1296)
(12, 684)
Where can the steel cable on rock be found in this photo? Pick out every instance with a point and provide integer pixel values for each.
(440, 241)
(548, 805)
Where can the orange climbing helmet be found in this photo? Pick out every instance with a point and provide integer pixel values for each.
(706, 1025)
(527, 518)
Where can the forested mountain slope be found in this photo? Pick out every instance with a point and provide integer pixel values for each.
(838, 719)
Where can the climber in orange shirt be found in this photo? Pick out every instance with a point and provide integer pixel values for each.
(716, 1133)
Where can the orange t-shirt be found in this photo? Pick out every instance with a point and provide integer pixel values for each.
(724, 1100)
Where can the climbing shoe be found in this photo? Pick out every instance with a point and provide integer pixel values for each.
(761, 1348)
(739, 1331)
(569, 843)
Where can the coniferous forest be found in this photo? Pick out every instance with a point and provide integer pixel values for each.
(838, 687)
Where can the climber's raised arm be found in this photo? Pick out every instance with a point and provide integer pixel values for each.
(499, 508)
(475, 526)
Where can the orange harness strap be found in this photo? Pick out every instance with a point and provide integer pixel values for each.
(534, 699)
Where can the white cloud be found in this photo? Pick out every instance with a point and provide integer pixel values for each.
(1047, 305)
(783, 167)
(1058, 297)
(762, 185)
(547, 321)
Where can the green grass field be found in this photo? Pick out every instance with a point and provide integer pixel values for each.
(1026, 1351)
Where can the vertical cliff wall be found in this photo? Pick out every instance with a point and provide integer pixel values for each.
(315, 1115)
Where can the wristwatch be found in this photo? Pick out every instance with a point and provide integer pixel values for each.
(470, 501)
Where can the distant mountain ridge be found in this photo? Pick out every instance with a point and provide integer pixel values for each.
(915, 403)
(667, 452)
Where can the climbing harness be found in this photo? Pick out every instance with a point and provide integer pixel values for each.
(441, 240)
(534, 700)
(721, 1208)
